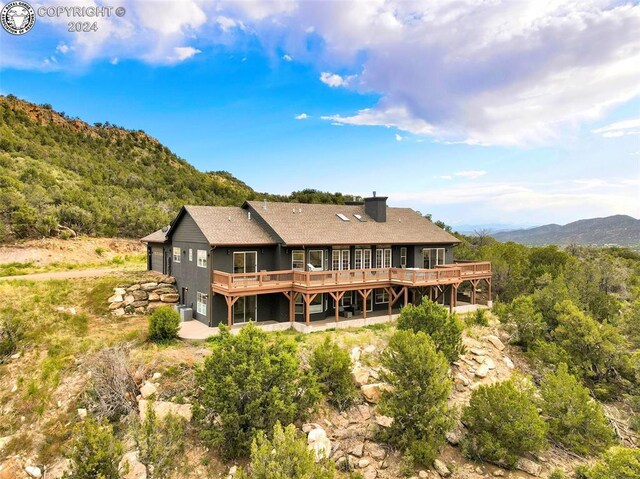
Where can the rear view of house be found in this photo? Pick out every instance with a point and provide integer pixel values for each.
(267, 261)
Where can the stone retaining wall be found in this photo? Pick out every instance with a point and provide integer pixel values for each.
(142, 298)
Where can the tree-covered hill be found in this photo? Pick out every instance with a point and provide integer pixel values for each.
(57, 173)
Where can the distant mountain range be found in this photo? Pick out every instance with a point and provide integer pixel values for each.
(619, 230)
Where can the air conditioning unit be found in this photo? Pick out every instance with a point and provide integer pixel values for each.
(186, 314)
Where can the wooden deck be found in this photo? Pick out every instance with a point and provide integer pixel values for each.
(265, 282)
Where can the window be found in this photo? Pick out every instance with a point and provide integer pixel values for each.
(342, 217)
(316, 259)
(317, 305)
(382, 296)
(347, 299)
(245, 309)
(362, 259)
(433, 257)
(190, 254)
(383, 258)
(403, 257)
(359, 217)
(245, 262)
(201, 303)
(340, 259)
(176, 254)
(202, 258)
(297, 260)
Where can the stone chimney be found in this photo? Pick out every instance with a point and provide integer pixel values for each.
(376, 207)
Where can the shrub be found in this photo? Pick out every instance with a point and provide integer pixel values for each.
(434, 320)
(95, 451)
(112, 391)
(11, 333)
(285, 456)
(478, 318)
(503, 422)
(100, 250)
(527, 325)
(417, 399)
(617, 462)
(574, 419)
(332, 366)
(160, 444)
(247, 385)
(557, 474)
(164, 324)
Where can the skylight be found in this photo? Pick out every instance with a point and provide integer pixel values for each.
(359, 217)
(342, 217)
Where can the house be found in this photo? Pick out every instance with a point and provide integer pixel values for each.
(269, 261)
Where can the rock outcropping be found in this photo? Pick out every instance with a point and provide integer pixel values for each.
(142, 298)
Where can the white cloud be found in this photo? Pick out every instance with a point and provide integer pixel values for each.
(399, 137)
(183, 53)
(287, 58)
(334, 80)
(391, 118)
(62, 48)
(114, 61)
(226, 23)
(620, 128)
(471, 174)
(301, 116)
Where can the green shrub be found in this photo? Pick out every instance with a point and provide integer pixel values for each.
(286, 456)
(417, 399)
(434, 320)
(164, 324)
(478, 318)
(527, 324)
(95, 452)
(617, 462)
(160, 443)
(557, 474)
(503, 422)
(11, 333)
(332, 366)
(247, 385)
(100, 250)
(574, 419)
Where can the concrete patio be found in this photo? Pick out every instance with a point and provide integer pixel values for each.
(196, 331)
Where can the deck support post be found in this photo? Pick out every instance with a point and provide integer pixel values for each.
(231, 300)
(336, 298)
(391, 297)
(364, 293)
(308, 297)
(291, 296)
(452, 298)
(489, 286)
(406, 295)
(474, 286)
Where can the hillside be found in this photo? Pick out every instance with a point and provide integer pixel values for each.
(620, 230)
(57, 172)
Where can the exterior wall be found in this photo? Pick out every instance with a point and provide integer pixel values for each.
(155, 257)
(190, 278)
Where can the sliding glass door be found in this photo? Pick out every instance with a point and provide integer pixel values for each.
(433, 257)
(245, 309)
(245, 262)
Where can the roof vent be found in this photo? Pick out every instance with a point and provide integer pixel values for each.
(342, 217)
(165, 229)
(249, 215)
(264, 204)
(229, 217)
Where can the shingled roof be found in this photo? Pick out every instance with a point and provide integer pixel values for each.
(159, 236)
(319, 224)
(229, 225)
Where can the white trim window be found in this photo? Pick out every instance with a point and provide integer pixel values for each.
(297, 260)
(433, 257)
(201, 303)
(316, 260)
(362, 258)
(340, 259)
(403, 257)
(383, 258)
(382, 296)
(190, 254)
(202, 258)
(317, 304)
(176, 254)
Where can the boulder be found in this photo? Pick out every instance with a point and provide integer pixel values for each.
(384, 421)
(148, 286)
(118, 312)
(441, 468)
(33, 471)
(490, 363)
(148, 389)
(358, 450)
(477, 351)
(128, 299)
(165, 290)
(119, 291)
(133, 287)
(319, 443)
(167, 280)
(355, 354)
(169, 298)
(482, 371)
(508, 362)
(139, 295)
(364, 462)
(371, 392)
(113, 306)
(153, 296)
(138, 304)
(131, 468)
(462, 379)
(495, 341)
(116, 298)
(376, 451)
(530, 467)
(154, 305)
(82, 413)
(164, 408)
(360, 375)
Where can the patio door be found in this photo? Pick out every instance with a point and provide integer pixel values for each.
(340, 259)
(245, 309)
(245, 262)
(362, 259)
(369, 301)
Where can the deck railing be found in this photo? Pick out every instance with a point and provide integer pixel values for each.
(287, 279)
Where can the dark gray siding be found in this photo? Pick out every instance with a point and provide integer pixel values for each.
(156, 254)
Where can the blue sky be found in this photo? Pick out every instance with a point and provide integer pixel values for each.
(509, 112)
